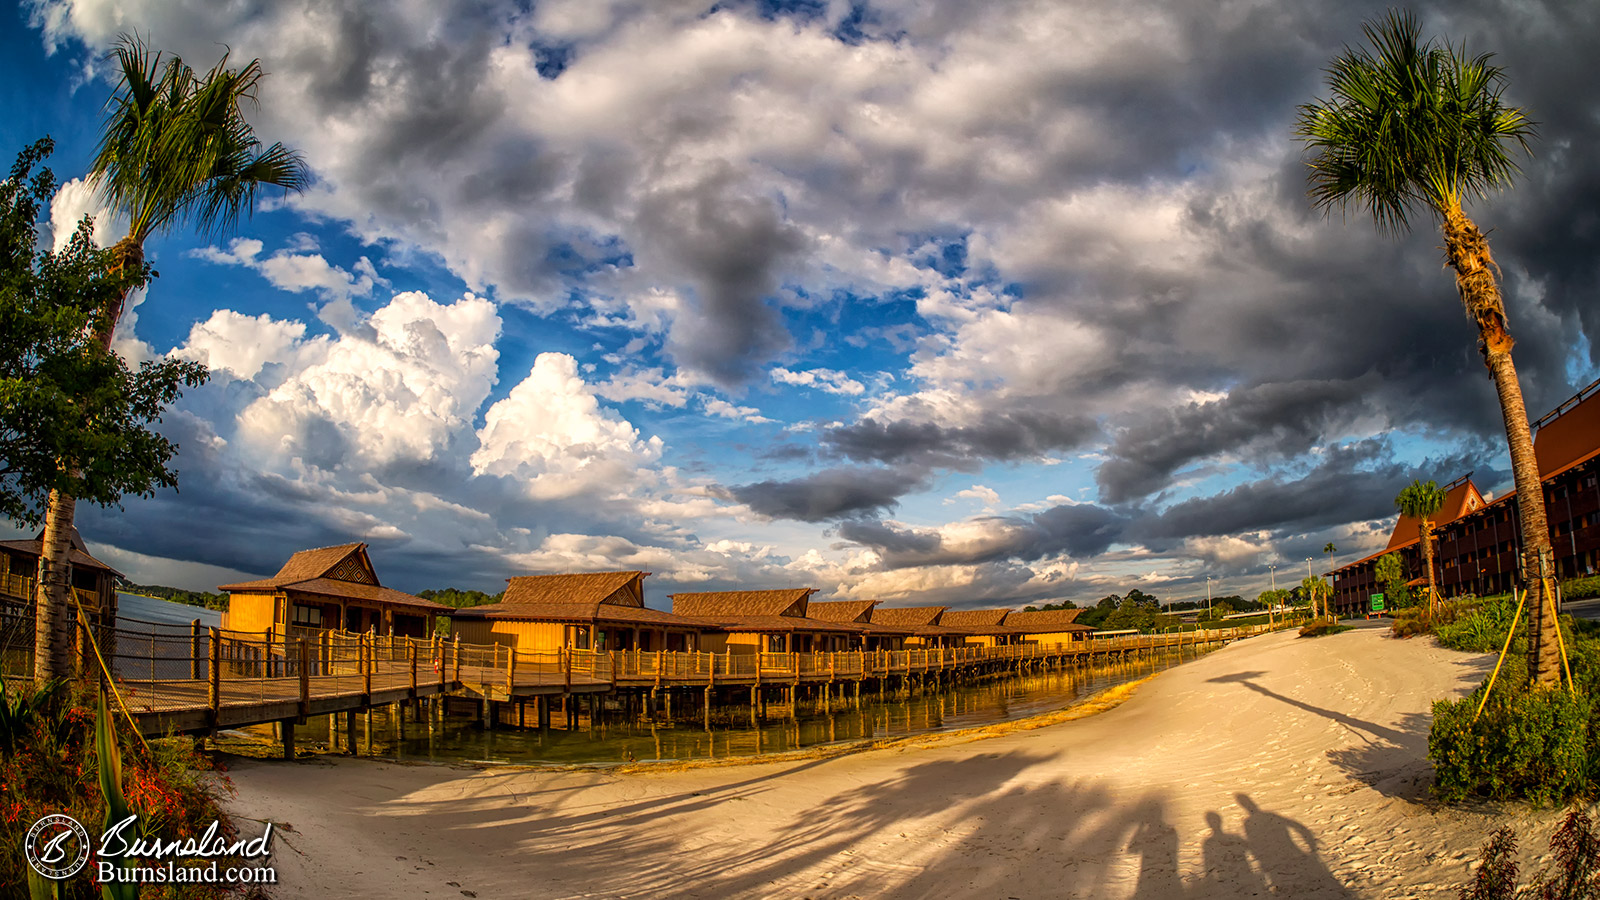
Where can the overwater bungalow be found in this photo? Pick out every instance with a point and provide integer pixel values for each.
(93, 582)
(872, 635)
(328, 588)
(924, 624)
(600, 611)
(980, 627)
(1047, 626)
(762, 621)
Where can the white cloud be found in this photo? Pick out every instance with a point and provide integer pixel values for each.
(297, 272)
(401, 393)
(74, 200)
(239, 345)
(717, 406)
(987, 496)
(552, 434)
(828, 380)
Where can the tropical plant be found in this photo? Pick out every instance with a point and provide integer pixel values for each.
(1390, 570)
(1414, 125)
(18, 712)
(175, 149)
(1422, 501)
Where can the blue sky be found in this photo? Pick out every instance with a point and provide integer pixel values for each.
(902, 301)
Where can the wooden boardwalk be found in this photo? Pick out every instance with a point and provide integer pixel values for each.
(196, 682)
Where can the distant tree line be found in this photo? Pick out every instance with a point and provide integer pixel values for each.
(218, 602)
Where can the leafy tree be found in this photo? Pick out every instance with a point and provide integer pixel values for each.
(1422, 501)
(207, 599)
(458, 598)
(1320, 593)
(1414, 125)
(74, 419)
(175, 148)
(1392, 575)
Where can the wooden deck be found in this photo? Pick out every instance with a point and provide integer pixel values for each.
(190, 682)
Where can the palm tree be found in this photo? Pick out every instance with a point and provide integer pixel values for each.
(1330, 550)
(1421, 125)
(1421, 501)
(175, 149)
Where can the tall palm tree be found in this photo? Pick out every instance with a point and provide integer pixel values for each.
(175, 149)
(1330, 550)
(1414, 125)
(1422, 500)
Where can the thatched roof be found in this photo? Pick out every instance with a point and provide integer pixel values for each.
(973, 618)
(78, 554)
(1043, 621)
(587, 613)
(857, 611)
(907, 616)
(342, 572)
(720, 604)
(587, 587)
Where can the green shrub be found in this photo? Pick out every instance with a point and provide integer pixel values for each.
(1581, 588)
(1571, 873)
(1531, 744)
(1322, 627)
(1480, 628)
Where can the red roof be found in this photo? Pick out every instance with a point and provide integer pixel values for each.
(1570, 434)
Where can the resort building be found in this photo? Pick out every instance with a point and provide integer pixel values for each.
(600, 611)
(1479, 539)
(923, 623)
(762, 621)
(93, 583)
(980, 627)
(329, 588)
(1048, 626)
(871, 635)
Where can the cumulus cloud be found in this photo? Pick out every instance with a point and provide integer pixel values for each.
(827, 380)
(551, 435)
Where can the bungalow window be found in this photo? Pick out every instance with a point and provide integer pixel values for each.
(774, 643)
(308, 616)
(580, 637)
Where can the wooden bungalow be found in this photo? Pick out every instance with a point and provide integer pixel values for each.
(93, 582)
(329, 588)
(762, 622)
(872, 635)
(1047, 626)
(924, 623)
(980, 627)
(600, 611)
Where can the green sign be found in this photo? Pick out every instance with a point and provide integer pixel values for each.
(1377, 603)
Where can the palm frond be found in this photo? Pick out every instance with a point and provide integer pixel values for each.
(176, 146)
(1409, 123)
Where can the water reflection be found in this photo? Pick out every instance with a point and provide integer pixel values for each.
(616, 736)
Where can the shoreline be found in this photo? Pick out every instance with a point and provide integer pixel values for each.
(1273, 765)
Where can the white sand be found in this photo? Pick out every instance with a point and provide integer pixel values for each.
(1275, 765)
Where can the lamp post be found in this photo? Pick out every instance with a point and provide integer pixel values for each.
(1208, 598)
(1308, 578)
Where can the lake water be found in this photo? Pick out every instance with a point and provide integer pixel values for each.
(953, 707)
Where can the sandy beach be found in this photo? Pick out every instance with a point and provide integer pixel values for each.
(1276, 765)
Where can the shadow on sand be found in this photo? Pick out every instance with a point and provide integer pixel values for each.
(963, 827)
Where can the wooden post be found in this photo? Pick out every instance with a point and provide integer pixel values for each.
(304, 652)
(458, 658)
(411, 654)
(438, 659)
(286, 727)
(366, 675)
(214, 690)
(194, 651)
(366, 721)
(511, 670)
(350, 731)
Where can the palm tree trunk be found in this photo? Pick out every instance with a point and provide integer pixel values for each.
(52, 621)
(1425, 530)
(1468, 253)
(52, 617)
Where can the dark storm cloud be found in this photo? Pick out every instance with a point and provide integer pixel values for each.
(1007, 435)
(1284, 419)
(829, 494)
(1351, 484)
(732, 247)
(1083, 531)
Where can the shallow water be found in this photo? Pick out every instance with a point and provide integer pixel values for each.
(957, 706)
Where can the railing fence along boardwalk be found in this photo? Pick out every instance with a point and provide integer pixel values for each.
(193, 679)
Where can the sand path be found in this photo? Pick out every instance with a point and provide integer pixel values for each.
(1273, 766)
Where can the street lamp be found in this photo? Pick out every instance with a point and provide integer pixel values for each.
(1208, 598)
